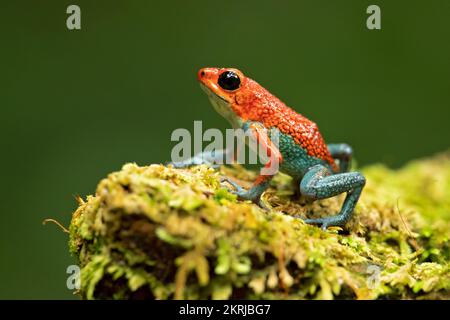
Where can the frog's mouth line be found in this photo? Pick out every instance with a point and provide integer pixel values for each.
(211, 93)
(222, 106)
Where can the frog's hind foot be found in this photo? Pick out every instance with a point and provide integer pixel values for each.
(326, 222)
(320, 183)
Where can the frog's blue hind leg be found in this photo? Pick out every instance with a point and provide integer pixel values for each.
(342, 152)
(320, 183)
(213, 158)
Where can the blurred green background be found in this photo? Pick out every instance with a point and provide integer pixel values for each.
(76, 105)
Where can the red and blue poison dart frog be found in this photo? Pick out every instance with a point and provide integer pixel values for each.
(320, 170)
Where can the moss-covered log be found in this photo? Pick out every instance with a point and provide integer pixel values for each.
(158, 232)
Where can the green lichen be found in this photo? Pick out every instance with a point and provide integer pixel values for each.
(157, 232)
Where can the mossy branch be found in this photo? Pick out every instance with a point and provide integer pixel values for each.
(158, 232)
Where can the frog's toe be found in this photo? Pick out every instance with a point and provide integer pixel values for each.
(263, 205)
(238, 189)
(325, 222)
(320, 221)
(194, 161)
(177, 165)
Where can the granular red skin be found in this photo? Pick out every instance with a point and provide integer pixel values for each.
(252, 102)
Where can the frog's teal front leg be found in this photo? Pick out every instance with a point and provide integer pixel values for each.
(212, 158)
(320, 183)
(270, 169)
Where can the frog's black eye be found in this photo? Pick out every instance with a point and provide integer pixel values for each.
(229, 80)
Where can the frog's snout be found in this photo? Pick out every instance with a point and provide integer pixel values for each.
(207, 74)
(201, 74)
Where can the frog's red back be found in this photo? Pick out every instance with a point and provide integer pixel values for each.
(253, 102)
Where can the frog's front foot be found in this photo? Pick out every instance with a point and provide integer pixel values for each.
(252, 194)
(213, 159)
(238, 189)
(195, 161)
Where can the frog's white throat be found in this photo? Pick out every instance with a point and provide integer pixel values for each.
(222, 106)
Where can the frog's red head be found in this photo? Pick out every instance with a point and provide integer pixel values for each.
(231, 93)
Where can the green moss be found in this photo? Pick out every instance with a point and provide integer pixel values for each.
(159, 232)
